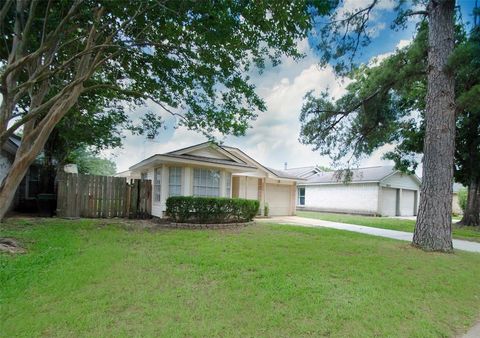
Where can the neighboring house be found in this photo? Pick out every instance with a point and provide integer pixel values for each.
(25, 197)
(127, 174)
(456, 209)
(7, 154)
(207, 169)
(303, 172)
(371, 191)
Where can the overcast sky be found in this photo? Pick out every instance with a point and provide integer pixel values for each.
(273, 137)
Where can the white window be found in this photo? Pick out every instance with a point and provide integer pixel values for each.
(144, 176)
(228, 179)
(175, 181)
(301, 196)
(206, 182)
(157, 184)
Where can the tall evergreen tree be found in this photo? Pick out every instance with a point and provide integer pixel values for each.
(322, 119)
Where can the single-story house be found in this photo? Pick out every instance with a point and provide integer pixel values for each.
(208, 169)
(378, 190)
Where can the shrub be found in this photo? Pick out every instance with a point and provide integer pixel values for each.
(462, 198)
(211, 209)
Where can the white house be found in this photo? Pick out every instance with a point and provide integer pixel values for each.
(371, 191)
(207, 169)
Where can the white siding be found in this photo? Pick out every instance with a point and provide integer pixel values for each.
(248, 187)
(350, 198)
(208, 152)
(400, 180)
(388, 202)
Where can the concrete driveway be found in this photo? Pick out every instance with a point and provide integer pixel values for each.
(399, 235)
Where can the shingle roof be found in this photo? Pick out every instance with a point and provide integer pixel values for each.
(283, 174)
(371, 174)
(12, 144)
(208, 159)
(194, 158)
(299, 171)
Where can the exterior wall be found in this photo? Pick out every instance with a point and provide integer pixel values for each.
(347, 198)
(456, 209)
(399, 195)
(247, 187)
(158, 208)
(401, 181)
(207, 152)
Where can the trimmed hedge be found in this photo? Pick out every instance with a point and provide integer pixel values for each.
(211, 209)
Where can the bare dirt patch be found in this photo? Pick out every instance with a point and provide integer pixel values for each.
(11, 245)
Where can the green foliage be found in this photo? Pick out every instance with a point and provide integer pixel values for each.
(189, 58)
(341, 38)
(385, 104)
(378, 104)
(211, 209)
(87, 127)
(89, 163)
(462, 198)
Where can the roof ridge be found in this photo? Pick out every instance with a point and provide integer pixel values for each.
(371, 167)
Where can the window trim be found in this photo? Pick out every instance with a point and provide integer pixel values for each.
(228, 184)
(206, 186)
(157, 184)
(299, 199)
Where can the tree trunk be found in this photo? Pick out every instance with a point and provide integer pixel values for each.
(11, 182)
(32, 144)
(471, 214)
(433, 231)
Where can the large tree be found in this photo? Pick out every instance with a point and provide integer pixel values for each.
(322, 119)
(191, 58)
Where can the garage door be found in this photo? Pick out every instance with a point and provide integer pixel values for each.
(407, 206)
(389, 201)
(278, 197)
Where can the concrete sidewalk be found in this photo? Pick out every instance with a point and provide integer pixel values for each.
(400, 235)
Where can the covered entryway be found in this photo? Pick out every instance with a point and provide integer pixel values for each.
(280, 199)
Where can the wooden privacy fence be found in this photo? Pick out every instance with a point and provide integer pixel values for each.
(103, 196)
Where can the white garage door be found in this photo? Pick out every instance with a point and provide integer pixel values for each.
(389, 201)
(278, 197)
(407, 203)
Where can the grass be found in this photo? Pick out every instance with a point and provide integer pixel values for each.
(459, 232)
(91, 278)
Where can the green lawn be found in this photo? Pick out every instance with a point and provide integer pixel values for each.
(87, 278)
(467, 233)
